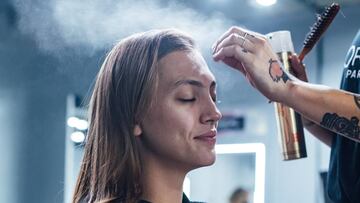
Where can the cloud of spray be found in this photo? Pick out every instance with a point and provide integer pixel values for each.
(95, 24)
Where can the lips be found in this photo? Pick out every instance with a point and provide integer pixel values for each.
(210, 134)
(208, 137)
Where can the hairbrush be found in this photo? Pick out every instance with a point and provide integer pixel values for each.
(317, 30)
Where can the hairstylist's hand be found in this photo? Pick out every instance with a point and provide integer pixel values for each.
(252, 55)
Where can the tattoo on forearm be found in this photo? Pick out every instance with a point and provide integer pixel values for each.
(276, 73)
(357, 101)
(342, 125)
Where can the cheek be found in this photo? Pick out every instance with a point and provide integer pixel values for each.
(170, 120)
(169, 132)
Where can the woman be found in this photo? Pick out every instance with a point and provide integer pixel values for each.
(153, 119)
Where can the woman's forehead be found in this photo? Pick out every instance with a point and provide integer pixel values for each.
(183, 65)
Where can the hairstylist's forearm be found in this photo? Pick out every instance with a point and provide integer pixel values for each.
(335, 110)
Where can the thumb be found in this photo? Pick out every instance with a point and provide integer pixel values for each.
(298, 68)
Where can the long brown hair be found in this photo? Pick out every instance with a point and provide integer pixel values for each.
(111, 166)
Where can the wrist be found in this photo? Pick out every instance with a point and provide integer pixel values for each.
(288, 94)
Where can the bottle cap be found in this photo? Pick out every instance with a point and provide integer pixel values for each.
(281, 41)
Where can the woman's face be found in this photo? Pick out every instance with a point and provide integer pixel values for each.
(180, 128)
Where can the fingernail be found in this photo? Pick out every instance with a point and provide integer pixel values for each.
(213, 49)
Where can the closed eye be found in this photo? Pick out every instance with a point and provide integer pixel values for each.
(187, 100)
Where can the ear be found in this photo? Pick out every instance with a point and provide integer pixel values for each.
(137, 130)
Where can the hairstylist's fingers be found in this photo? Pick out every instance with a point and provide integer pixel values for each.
(234, 51)
(235, 38)
(250, 35)
(298, 68)
(232, 62)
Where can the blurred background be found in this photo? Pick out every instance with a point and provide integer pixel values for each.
(51, 50)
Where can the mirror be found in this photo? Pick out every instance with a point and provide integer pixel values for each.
(237, 165)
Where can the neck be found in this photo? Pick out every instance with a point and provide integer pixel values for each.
(162, 182)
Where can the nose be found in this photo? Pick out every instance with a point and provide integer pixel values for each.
(210, 113)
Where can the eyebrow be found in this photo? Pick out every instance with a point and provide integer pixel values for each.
(194, 83)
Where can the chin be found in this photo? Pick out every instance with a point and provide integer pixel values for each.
(207, 160)
(210, 163)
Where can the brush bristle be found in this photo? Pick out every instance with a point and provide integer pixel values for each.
(322, 23)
